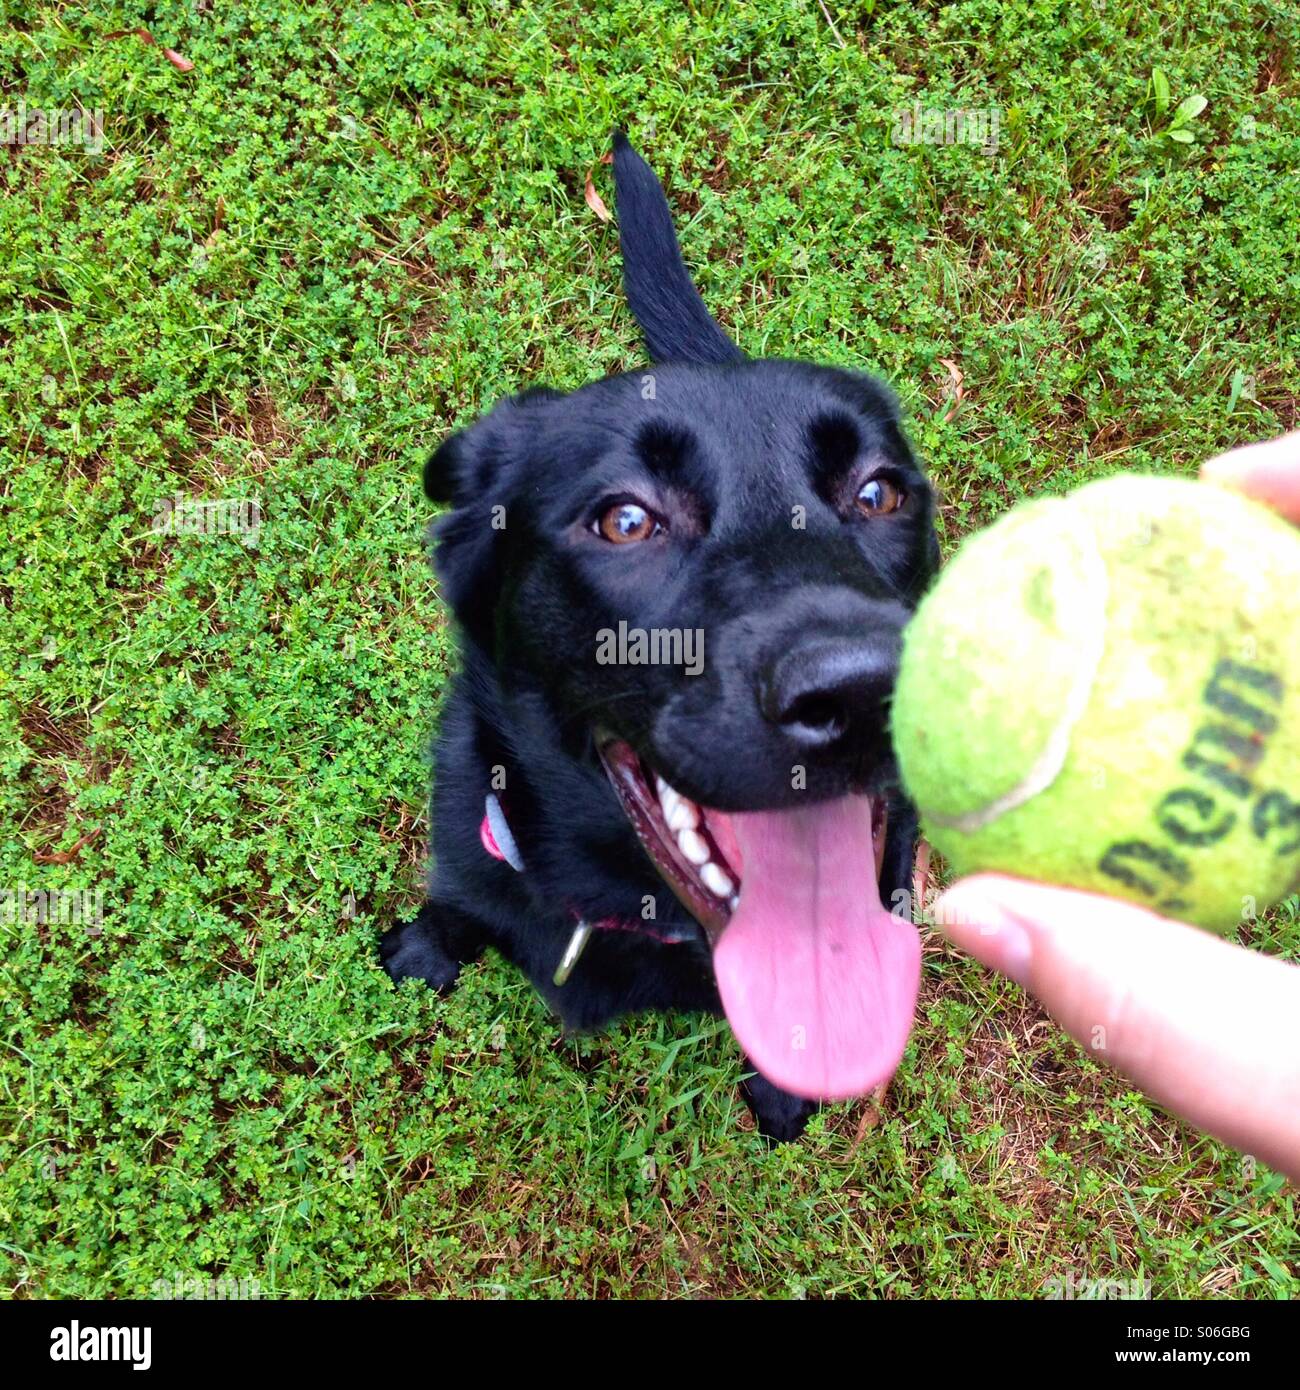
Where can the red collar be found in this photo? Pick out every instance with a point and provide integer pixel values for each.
(499, 841)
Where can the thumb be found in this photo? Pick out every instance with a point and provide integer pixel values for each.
(1208, 1029)
(1269, 472)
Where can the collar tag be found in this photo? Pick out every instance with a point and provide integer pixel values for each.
(496, 836)
(577, 944)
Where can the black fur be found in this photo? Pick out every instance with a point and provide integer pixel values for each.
(724, 450)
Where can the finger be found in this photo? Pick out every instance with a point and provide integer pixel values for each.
(1210, 1030)
(1269, 472)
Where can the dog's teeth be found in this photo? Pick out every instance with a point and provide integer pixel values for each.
(716, 881)
(734, 901)
(683, 816)
(669, 800)
(693, 847)
(661, 786)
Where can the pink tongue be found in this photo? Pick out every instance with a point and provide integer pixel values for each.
(819, 982)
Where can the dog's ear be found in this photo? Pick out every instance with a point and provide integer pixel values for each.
(440, 470)
(462, 466)
(475, 470)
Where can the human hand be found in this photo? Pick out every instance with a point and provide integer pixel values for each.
(1205, 1027)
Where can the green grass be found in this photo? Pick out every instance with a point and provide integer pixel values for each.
(288, 273)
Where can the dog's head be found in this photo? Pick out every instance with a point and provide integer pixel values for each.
(704, 569)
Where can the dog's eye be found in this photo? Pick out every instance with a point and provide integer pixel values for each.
(626, 522)
(880, 496)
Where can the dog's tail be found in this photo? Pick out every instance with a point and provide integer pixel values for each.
(664, 301)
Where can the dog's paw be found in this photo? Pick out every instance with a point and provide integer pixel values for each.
(412, 951)
(781, 1117)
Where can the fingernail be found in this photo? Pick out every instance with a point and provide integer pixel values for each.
(1230, 471)
(977, 924)
(1228, 467)
(1268, 472)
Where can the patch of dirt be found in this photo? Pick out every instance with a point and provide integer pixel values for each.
(259, 428)
(1274, 67)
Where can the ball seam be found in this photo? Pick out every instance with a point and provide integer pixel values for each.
(1051, 761)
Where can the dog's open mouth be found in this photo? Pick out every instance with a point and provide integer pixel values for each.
(818, 979)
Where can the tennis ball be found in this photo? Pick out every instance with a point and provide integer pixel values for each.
(1103, 691)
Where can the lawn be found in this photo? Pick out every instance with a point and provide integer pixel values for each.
(309, 244)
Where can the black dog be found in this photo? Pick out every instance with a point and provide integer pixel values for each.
(664, 778)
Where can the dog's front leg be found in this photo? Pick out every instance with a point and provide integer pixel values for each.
(432, 946)
(781, 1117)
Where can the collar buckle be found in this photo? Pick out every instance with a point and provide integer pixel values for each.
(572, 952)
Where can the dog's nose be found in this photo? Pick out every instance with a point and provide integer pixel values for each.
(823, 691)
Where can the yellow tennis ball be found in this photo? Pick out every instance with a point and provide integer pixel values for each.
(1103, 691)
